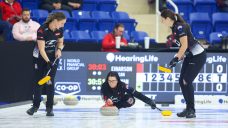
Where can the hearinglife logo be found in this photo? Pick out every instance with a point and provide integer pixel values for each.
(132, 58)
(213, 59)
(69, 88)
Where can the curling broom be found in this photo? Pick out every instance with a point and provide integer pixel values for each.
(165, 112)
(47, 77)
(164, 69)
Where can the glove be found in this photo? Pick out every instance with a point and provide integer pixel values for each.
(109, 102)
(173, 62)
(49, 65)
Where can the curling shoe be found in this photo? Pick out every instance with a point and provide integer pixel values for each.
(32, 110)
(183, 113)
(49, 112)
(191, 114)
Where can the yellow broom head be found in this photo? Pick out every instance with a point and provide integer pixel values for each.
(44, 80)
(163, 69)
(166, 113)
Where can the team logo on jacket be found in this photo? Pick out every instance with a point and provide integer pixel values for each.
(180, 28)
(50, 43)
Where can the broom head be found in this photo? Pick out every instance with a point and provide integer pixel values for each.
(44, 80)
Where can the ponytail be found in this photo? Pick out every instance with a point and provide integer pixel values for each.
(49, 18)
(179, 19)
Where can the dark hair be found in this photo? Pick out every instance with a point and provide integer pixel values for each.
(113, 74)
(105, 88)
(25, 10)
(56, 15)
(173, 16)
(119, 25)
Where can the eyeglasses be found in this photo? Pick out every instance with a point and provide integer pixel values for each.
(112, 81)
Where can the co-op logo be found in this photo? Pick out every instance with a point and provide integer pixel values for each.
(131, 58)
(71, 88)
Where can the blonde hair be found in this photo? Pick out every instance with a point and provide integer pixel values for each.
(56, 15)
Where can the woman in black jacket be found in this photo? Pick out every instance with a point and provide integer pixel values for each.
(193, 54)
(117, 93)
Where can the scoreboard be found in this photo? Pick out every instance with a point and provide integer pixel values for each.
(82, 73)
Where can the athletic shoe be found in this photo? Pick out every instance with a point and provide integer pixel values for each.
(49, 112)
(32, 110)
(183, 113)
(191, 114)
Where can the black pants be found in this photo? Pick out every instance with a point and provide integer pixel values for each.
(128, 100)
(40, 71)
(190, 69)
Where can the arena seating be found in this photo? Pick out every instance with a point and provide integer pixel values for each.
(203, 26)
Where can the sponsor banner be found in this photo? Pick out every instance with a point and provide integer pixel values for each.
(209, 101)
(71, 64)
(95, 101)
(111, 57)
(89, 101)
(67, 88)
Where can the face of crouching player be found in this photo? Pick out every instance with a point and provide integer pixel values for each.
(112, 81)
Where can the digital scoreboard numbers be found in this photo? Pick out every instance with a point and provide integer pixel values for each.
(96, 76)
(97, 73)
(212, 78)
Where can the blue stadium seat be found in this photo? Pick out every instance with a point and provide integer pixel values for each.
(67, 37)
(71, 22)
(31, 4)
(220, 22)
(66, 13)
(82, 36)
(78, 14)
(208, 6)
(200, 25)
(126, 36)
(100, 15)
(98, 35)
(123, 17)
(39, 15)
(20, 1)
(104, 20)
(89, 5)
(215, 38)
(85, 21)
(185, 7)
(138, 36)
(107, 5)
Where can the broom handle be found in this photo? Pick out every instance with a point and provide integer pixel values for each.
(159, 109)
(52, 65)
